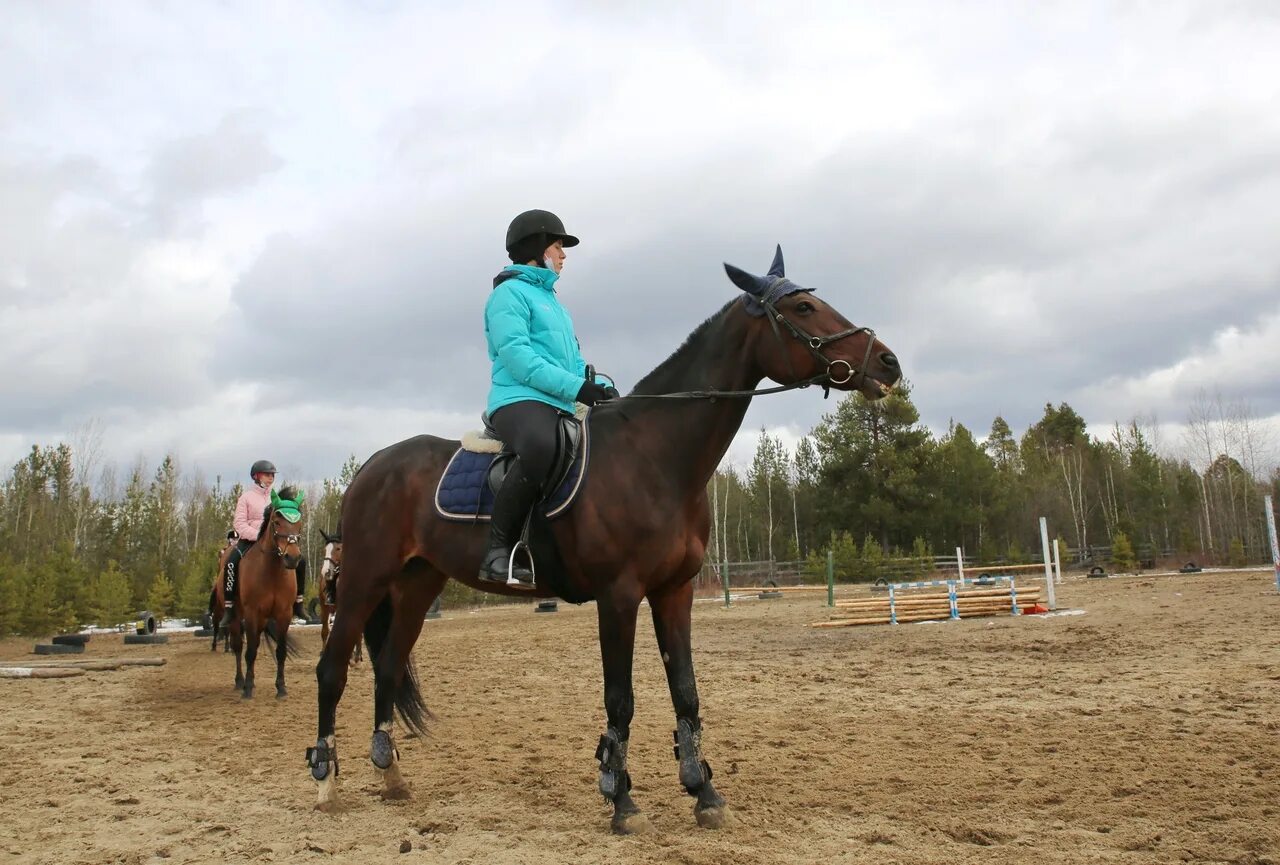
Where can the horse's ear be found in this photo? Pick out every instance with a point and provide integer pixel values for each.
(752, 285)
(325, 535)
(777, 268)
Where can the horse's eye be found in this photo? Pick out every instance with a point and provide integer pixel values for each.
(804, 307)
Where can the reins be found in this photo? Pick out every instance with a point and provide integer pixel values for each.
(813, 343)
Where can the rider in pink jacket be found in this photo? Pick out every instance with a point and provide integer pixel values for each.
(247, 522)
(250, 507)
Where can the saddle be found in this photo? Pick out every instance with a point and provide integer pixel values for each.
(479, 466)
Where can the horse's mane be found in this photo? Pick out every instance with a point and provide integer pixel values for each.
(657, 380)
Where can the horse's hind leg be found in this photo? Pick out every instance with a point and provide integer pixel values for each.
(617, 622)
(411, 595)
(671, 613)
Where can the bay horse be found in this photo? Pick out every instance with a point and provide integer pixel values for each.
(637, 531)
(267, 587)
(330, 570)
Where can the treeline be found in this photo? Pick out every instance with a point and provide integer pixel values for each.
(80, 544)
(79, 547)
(870, 483)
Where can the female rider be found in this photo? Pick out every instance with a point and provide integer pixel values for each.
(538, 374)
(247, 523)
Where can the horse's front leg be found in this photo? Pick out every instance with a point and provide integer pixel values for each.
(671, 613)
(617, 619)
(250, 656)
(234, 640)
(282, 650)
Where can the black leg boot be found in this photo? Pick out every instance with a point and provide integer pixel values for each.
(510, 507)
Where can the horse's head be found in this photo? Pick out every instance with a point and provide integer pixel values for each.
(286, 526)
(332, 563)
(808, 339)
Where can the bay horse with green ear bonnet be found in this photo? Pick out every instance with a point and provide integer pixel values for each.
(268, 587)
(636, 531)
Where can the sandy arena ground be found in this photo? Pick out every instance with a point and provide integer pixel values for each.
(1145, 731)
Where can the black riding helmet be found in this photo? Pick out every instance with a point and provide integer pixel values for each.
(262, 467)
(530, 233)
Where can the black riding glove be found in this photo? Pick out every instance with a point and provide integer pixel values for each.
(612, 391)
(591, 393)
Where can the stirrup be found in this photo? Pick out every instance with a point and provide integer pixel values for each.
(511, 566)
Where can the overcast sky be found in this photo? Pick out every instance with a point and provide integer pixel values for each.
(234, 231)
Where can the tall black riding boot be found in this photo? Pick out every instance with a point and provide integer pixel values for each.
(229, 591)
(511, 505)
(301, 574)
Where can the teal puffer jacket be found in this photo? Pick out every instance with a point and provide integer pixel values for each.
(531, 341)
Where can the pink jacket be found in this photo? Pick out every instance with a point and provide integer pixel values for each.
(249, 508)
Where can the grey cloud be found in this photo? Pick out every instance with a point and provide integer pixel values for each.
(186, 171)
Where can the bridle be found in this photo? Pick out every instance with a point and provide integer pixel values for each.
(288, 539)
(335, 566)
(814, 344)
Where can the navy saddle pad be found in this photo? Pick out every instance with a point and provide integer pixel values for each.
(463, 492)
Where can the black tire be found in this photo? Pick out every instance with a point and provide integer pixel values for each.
(145, 639)
(313, 610)
(1097, 571)
(59, 649)
(70, 639)
(145, 623)
(546, 607)
(769, 596)
(203, 632)
(770, 584)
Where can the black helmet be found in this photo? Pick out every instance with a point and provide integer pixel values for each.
(262, 467)
(533, 222)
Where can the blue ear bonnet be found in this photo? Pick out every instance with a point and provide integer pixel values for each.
(763, 290)
(774, 290)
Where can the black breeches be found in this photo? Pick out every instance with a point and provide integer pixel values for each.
(529, 428)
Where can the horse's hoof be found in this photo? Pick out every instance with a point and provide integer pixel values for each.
(328, 806)
(398, 793)
(281, 693)
(630, 824)
(247, 694)
(716, 817)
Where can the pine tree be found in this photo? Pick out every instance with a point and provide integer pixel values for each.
(872, 558)
(113, 599)
(160, 598)
(1122, 555)
(1236, 557)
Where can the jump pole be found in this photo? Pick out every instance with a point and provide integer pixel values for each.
(831, 579)
(1048, 563)
(1271, 534)
(960, 562)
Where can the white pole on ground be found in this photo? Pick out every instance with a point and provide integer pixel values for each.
(1271, 533)
(1057, 564)
(1048, 563)
(960, 564)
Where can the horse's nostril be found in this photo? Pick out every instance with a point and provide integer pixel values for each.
(889, 359)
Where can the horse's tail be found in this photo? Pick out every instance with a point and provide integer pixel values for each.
(407, 697)
(291, 649)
